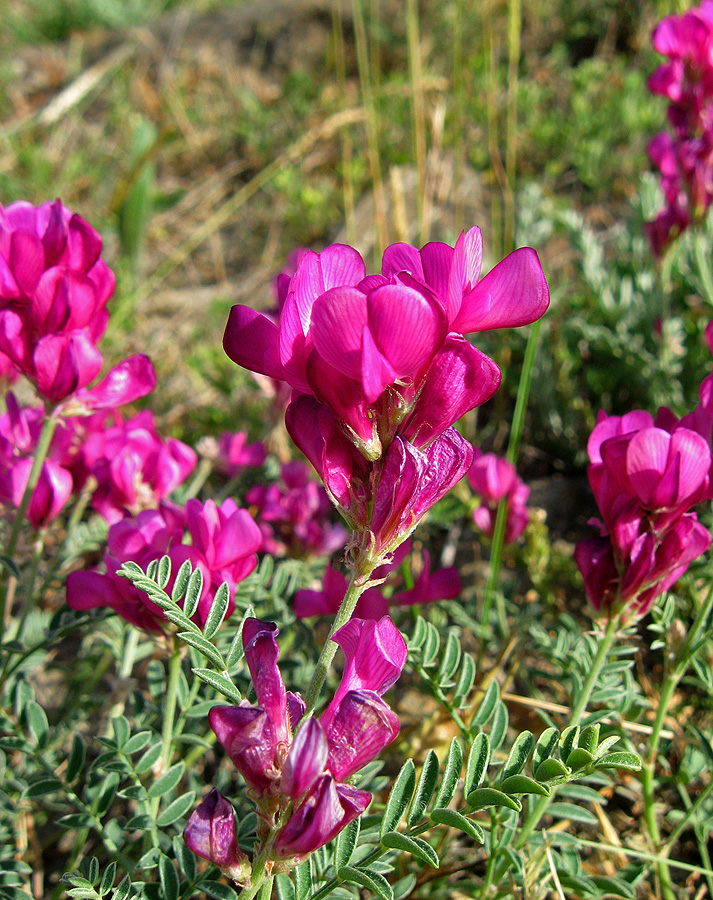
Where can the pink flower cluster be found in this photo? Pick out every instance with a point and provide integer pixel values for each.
(428, 587)
(380, 370)
(646, 476)
(492, 479)
(54, 287)
(294, 515)
(129, 466)
(304, 773)
(684, 158)
(224, 543)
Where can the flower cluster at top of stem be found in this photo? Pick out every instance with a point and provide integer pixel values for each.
(646, 476)
(298, 781)
(493, 479)
(380, 370)
(684, 158)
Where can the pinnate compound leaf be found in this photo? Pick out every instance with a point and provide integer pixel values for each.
(615, 886)
(37, 723)
(181, 582)
(424, 789)
(478, 760)
(487, 706)
(419, 635)
(453, 819)
(551, 769)
(284, 888)
(607, 744)
(523, 784)
(218, 609)
(399, 797)
(204, 647)
(519, 754)
(572, 812)
(221, 683)
(415, 846)
(368, 878)
(236, 652)
(622, 759)
(404, 887)
(451, 774)
(167, 782)
(137, 742)
(485, 797)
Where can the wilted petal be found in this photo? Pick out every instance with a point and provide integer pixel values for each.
(210, 833)
(514, 293)
(358, 731)
(296, 708)
(306, 760)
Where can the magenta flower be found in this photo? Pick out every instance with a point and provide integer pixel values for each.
(294, 515)
(54, 288)
(303, 774)
(151, 535)
(210, 833)
(365, 345)
(493, 479)
(134, 468)
(224, 545)
(234, 453)
(645, 480)
(685, 160)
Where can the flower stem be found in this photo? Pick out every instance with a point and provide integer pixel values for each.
(518, 421)
(43, 445)
(174, 672)
(672, 676)
(357, 586)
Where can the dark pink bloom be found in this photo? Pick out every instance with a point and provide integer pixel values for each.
(328, 808)
(305, 770)
(376, 348)
(294, 515)
(54, 288)
(210, 833)
(493, 479)
(235, 454)
(130, 380)
(685, 160)
(645, 479)
(19, 433)
(133, 466)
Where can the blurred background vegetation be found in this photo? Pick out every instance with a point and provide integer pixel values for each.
(207, 140)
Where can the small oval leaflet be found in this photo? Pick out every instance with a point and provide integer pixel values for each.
(417, 847)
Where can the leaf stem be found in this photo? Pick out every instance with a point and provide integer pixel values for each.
(174, 672)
